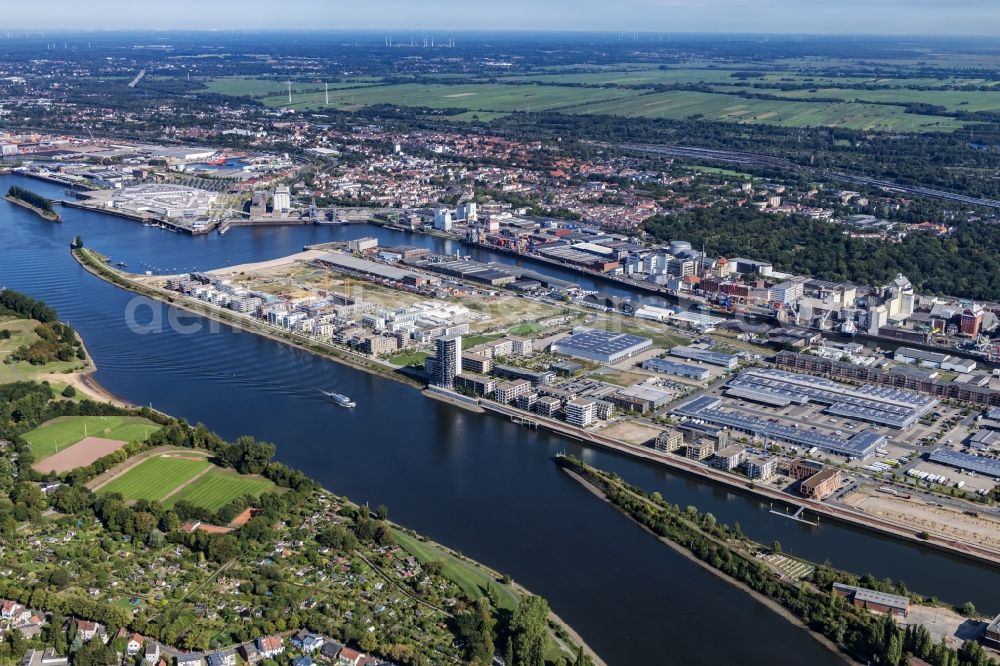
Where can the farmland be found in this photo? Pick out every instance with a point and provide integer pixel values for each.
(724, 92)
(61, 432)
(260, 88)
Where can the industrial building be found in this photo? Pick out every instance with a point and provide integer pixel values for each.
(347, 263)
(601, 346)
(873, 600)
(980, 464)
(164, 200)
(706, 409)
(883, 405)
(729, 361)
(641, 398)
(669, 367)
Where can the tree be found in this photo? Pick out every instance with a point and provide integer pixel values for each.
(69, 392)
(528, 627)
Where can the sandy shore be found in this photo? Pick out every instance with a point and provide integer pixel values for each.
(85, 383)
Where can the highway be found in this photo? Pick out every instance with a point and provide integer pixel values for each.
(754, 159)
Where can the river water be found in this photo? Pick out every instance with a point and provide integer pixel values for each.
(475, 482)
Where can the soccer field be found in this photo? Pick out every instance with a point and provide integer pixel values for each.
(155, 478)
(220, 487)
(57, 434)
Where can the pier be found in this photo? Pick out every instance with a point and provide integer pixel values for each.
(797, 516)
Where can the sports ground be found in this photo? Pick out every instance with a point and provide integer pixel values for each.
(80, 440)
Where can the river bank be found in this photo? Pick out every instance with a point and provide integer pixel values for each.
(44, 214)
(93, 265)
(762, 599)
(848, 516)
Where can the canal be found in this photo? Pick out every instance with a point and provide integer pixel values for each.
(479, 484)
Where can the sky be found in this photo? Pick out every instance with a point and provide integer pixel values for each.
(925, 17)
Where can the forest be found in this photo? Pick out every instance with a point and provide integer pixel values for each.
(965, 263)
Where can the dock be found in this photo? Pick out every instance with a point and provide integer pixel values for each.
(797, 516)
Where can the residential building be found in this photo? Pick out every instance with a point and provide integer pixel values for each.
(447, 360)
(134, 644)
(729, 458)
(526, 401)
(580, 412)
(222, 658)
(669, 441)
(801, 468)
(508, 391)
(152, 653)
(46, 657)
(548, 406)
(476, 363)
(761, 468)
(700, 449)
(821, 484)
(379, 345)
(269, 646)
(476, 383)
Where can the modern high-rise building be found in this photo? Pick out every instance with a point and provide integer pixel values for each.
(447, 360)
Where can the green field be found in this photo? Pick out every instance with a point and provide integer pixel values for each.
(686, 104)
(414, 358)
(219, 487)
(236, 86)
(525, 329)
(628, 90)
(57, 434)
(466, 575)
(471, 97)
(155, 478)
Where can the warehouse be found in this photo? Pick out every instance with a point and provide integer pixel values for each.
(987, 466)
(930, 359)
(641, 398)
(706, 356)
(673, 368)
(707, 410)
(883, 405)
(351, 264)
(601, 346)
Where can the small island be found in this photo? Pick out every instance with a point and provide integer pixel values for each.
(32, 201)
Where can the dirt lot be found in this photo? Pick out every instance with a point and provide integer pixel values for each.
(631, 432)
(945, 623)
(981, 529)
(81, 454)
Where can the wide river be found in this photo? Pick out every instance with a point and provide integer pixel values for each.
(475, 482)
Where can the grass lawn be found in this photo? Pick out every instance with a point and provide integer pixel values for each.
(467, 576)
(525, 329)
(57, 434)
(414, 358)
(473, 340)
(238, 86)
(219, 487)
(154, 478)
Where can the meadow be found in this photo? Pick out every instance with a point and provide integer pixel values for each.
(57, 434)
